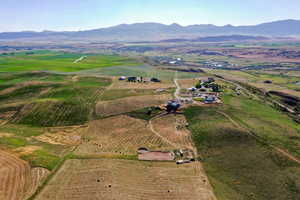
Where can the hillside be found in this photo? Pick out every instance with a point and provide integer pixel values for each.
(156, 31)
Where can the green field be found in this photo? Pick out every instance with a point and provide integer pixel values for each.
(59, 61)
(39, 100)
(238, 166)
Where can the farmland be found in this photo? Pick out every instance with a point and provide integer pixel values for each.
(70, 129)
(125, 179)
(59, 62)
(235, 161)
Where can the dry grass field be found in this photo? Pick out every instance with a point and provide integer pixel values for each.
(127, 180)
(119, 135)
(128, 104)
(147, 85)
(173, 129)
(188, 83)
(38, 175)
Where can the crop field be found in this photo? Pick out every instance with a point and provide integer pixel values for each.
(32, 102)
(166, 84)
(69, 129)
(114, 94)
(15, 177)
(59, 61)
(124, 136)
(141, 70)
(129, 104)
(125, 179)
(173, 129)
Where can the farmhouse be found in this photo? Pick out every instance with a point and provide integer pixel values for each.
(210, 99)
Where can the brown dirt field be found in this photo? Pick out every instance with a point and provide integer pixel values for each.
(157, 156)
(150, 85)
(27, 150)
(119, 134)
(61, 138)
(15, 177)
(127, 180)
(188, 83)
(38, 175)
(173, 128)
(128, 104)
(6, 135)
(7, 115)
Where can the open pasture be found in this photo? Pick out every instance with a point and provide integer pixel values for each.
(59, 61)
(235, 161)
(15, 177)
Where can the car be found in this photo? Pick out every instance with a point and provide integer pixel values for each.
(156, 80)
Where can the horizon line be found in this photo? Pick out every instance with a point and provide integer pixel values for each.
(174, 23)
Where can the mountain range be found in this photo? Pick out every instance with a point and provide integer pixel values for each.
(156, 31)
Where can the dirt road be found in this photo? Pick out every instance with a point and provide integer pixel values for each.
(178, 88)
(80, 59)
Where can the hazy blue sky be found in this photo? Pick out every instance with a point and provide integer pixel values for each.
(19, 15)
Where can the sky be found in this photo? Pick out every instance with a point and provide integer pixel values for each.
(59, 15)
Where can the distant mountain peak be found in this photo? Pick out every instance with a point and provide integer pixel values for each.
(175, 25)
(152, 31)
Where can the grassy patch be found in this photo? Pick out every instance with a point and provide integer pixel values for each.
(25, 92)
(41, 158)
(21, 130)
(60, 62)
(13, 142)
(69, 101)
(56, 114)
(237, 165)
(271, 125)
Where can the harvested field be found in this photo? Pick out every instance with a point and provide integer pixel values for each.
(27, 149)
(127, 180)
(128, 104)
(188, 83)
(157, 156)
(149, 85)
(38, 175)
(173, 128)
(5, 134)
(15, 177)
(119, 134)
(60, 138)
